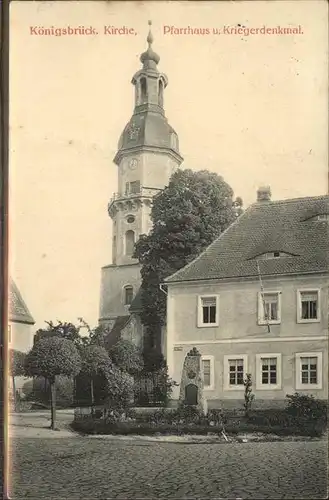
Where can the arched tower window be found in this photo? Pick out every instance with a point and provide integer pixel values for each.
(128, 294)
(143, 84)
(114, 250)
(160, 93)
(130, 242)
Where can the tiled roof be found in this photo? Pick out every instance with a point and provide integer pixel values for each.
(136, 304)
(18, 310)
(285, 226)
(115, 334)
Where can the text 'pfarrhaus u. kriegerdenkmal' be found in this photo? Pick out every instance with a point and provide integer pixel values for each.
(238, 29)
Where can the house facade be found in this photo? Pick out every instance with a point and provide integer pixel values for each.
(257, 302)
(20, 326)
(147, 155)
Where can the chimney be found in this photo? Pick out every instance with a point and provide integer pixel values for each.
(264, 194)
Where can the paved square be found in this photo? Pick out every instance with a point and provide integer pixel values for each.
(75, 467)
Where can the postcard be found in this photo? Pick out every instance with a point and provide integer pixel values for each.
(168, 249)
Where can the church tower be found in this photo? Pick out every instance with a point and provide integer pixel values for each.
(148, 154)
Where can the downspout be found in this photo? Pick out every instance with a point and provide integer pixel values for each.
(162, 289)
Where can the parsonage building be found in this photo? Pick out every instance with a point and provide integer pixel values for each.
(256, 301)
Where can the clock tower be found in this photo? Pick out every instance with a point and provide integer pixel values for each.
(147, 155)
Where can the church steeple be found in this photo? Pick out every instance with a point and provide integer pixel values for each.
(147, 155)
(149, 59)
(149, 82)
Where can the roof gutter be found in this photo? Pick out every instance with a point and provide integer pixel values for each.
(248, 277)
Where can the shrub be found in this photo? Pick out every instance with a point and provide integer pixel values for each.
(90, 426)
(119, 387)
(217, 416)
(302, 406)
(271, 418)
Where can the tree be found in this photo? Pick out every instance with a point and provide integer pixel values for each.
(65, 330)
(17, 369)
(119, 387)
(96, 335)
(95, 360)
(187, 216)
(50, 357)
(126, 356)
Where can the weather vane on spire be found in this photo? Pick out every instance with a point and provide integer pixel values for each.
(150, 36)
(149, 58)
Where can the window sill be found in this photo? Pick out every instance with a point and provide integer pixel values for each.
(308, 320)
(234, 388)
(308, 387)
(207, 325)
(276, 387)
(272, 322)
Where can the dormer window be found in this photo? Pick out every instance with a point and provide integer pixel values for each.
(276, 254)
(318, 218)
(321, 217)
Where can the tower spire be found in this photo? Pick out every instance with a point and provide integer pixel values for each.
(150, 38)
(149, 58)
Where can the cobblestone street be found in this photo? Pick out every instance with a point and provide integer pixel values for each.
(75, 467)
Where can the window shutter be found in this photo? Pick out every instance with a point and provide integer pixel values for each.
(309, 296)
(209, 302)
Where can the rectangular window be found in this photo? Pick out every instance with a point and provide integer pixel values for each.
(208, 374)
(135, 187)
(269, 371)
(206, 367)
(236, 371)
(309, 305)
(309, 370)
(269, 308)
(208, 310)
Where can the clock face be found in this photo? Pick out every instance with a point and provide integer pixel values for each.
(133, 163)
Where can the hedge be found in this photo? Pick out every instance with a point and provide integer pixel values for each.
(90, 426)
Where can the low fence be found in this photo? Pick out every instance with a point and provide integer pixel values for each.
(149, 390)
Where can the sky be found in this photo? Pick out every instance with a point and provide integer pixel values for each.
(252, 108)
